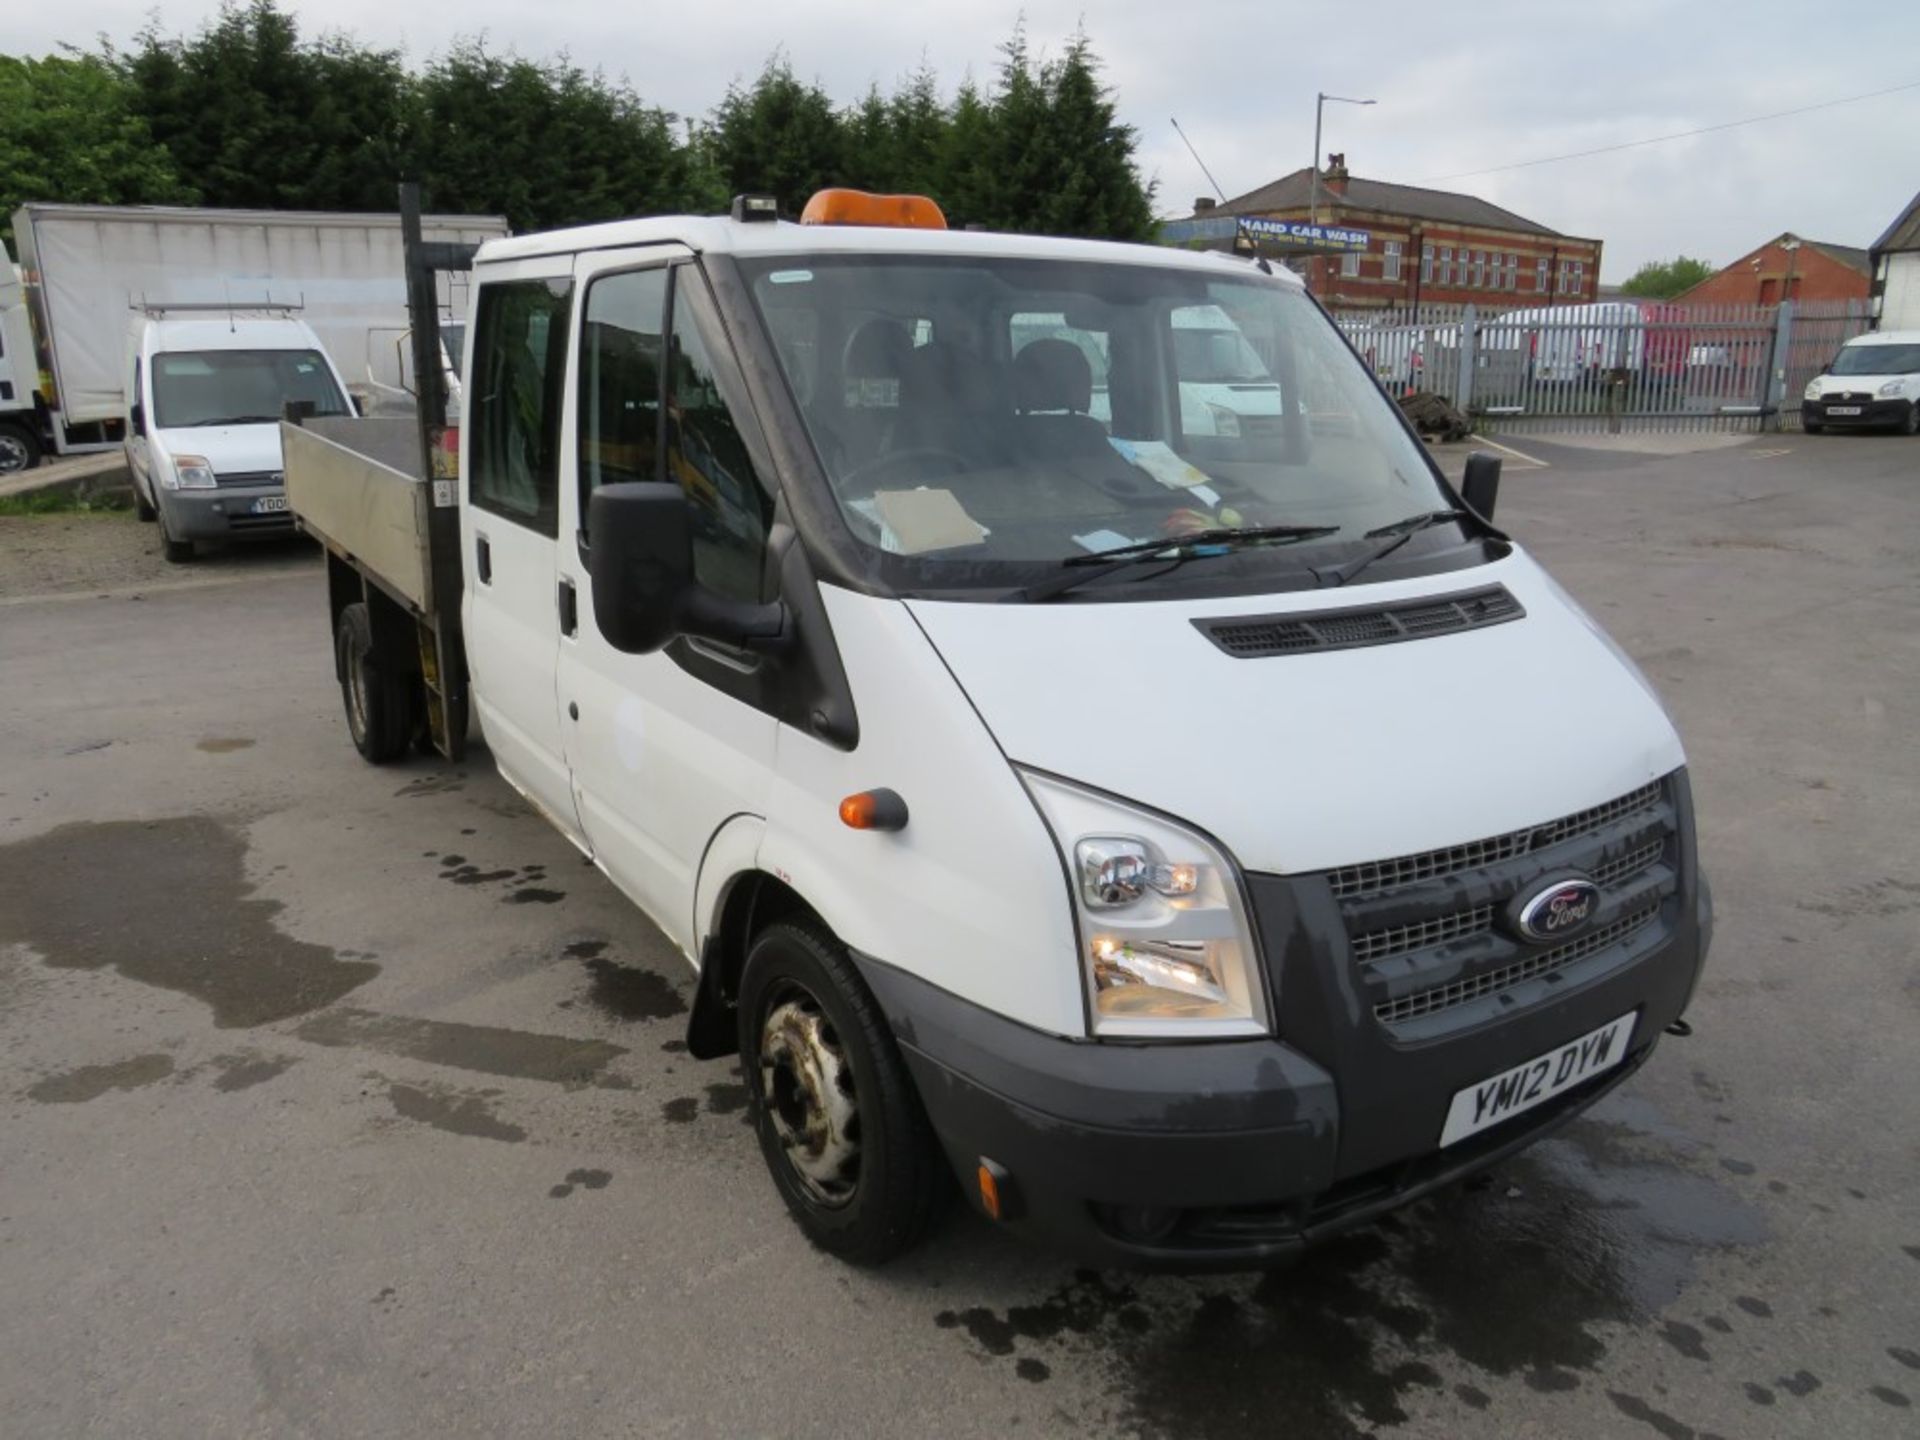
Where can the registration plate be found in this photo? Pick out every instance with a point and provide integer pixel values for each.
(1536, 1081)
(1843, 409)
(270, 505)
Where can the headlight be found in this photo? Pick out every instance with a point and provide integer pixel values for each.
(1166, 947)
(191, 472)
(1812, 390)
(1893, 387)
(1226, 423)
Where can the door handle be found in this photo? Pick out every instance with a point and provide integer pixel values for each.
(569, 607)
(483, 559)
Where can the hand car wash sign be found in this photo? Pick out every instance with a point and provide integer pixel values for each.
(1297, 235)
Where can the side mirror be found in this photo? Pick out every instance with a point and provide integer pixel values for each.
(644, 590)
(138, 418)
(1481, 486)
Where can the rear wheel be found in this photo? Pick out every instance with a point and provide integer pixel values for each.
(379, 703)
(19, 450)
(1912, 425)
(839, 1121)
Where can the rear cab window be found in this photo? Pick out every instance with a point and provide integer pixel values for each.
(519, 369)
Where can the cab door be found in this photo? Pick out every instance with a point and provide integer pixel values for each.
(510, 524)
(664, 748)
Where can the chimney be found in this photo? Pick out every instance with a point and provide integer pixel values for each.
(1335, 178)
(1203, 203)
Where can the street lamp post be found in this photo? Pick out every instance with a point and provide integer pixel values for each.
(1319, 105)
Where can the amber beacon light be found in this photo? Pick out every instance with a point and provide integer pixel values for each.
(857, 207)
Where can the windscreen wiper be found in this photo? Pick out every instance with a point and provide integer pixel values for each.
(1077, 570)
(1402, 531)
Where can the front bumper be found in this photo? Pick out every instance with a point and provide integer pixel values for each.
(224, 513)
(1874, 414)
(1236, 1154)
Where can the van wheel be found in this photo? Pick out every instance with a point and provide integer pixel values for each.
(1912, 425)
(839, 1121)
(1807, 429)
(379, 704)
(174, 552)
(142, 507)
(19, 450)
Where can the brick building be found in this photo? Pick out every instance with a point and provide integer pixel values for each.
(1787, 264)
(1425, 246)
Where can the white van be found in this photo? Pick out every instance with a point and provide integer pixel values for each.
(1874, 382)
(205, 395)
(1192, 838)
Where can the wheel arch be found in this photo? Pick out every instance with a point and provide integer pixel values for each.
(734, 901)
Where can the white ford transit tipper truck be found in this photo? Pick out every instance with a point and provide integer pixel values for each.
(1193, 841)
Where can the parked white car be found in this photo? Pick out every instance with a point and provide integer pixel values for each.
(1873, 382)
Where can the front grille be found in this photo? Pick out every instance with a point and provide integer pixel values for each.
(1398, 939)
(1377, 875)
(234, 478)
(1627, 866)
(1492, 982)
(1253, 636)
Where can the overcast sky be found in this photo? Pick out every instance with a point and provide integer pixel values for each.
(1461, 87)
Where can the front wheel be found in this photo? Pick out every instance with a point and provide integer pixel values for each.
(1807, 429)
(839, 1121)
(1912, 425)
(19, 450)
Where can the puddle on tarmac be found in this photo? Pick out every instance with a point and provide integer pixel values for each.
(520, 1054)
(1519, 1279)
(626, 992)
(458, 1112)
(90, 1082)
(165, 902)
(224, 744)
(243, 1072)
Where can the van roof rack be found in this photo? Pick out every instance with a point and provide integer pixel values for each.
(226, 307)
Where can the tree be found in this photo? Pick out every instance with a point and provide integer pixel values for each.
(258, 119)
(1664, 279)
(69, 132)
(780, 137)
(545, 143)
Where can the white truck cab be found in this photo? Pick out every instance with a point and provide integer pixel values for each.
(1192, 837)
(1873, 383)
(20, 424)
(205, 394)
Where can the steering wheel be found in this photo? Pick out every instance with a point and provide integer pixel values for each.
(874, 469)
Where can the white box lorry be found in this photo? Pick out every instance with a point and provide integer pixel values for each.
(86, 266)
(21, 428)
(1194, 842)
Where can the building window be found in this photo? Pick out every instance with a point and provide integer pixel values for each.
(1390, 262)
(1513, 271)
(1446, 265)
(1426, 264)
(1540, 275)
(1479, 269)
(1350, 265)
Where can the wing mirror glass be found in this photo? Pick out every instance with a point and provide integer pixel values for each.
(640, 557)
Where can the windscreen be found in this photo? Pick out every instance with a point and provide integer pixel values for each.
(239, 387)
(1876, 360)
(979, 417)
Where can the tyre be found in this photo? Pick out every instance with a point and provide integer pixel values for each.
(1912, 424)
(379, 702)
(1811, 429)
(142, 507)
(174, 552)
(19, 449)
(839, 1121)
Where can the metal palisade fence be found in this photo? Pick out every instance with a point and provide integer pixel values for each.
(1609, 365)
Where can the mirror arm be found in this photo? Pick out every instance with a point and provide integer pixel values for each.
(763, 628)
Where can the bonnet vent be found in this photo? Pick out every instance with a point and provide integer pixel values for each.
(1250, 637)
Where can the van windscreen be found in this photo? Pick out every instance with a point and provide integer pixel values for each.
(981, 419)
(239, 387)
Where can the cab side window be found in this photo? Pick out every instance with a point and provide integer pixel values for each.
(519, 364)
(708, 459)
(620, 355)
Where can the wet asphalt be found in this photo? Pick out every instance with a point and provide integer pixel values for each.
(343, 1101)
